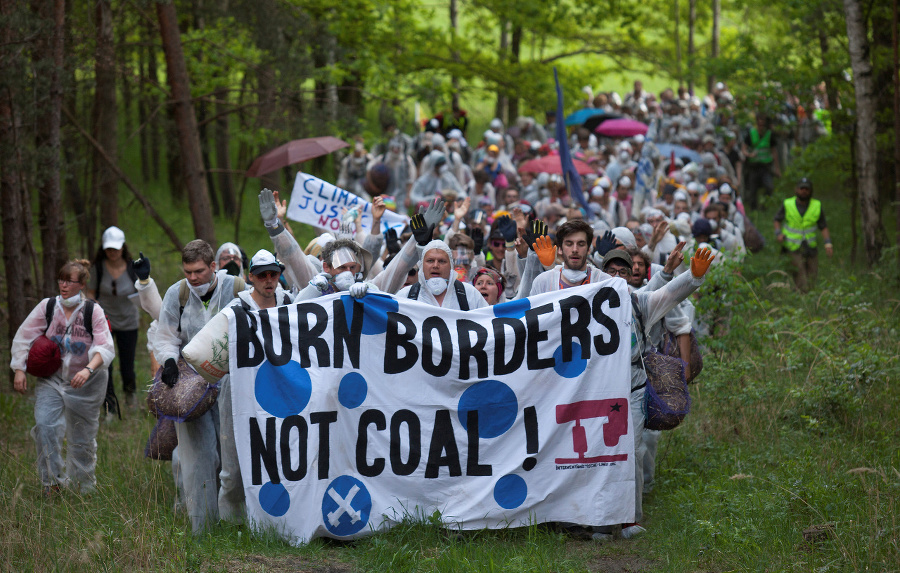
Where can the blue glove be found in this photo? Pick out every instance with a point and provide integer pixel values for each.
(605, 244)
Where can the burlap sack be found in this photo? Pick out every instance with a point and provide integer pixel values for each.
(189, 399)
(162, 441)
(667, 398)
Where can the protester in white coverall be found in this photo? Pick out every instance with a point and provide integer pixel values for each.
(68, 401)
(266, 293)
(575, 238)
(438, 282)
(209, 292)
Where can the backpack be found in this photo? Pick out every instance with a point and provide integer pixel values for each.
(461, 299)
(184, 292)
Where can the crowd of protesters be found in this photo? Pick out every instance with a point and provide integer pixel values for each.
(493, 220)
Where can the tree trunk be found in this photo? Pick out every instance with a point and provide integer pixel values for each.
(186, 123)
(895, 40)
(678, 44)
(143, 114)
(105, 120)
(692, 21)
(15, 248)
(714, 46)
(153, 126)
(865, 134)
(223, 155)
(502, 100)
(514, 49)
(49, 55)
(454, 27)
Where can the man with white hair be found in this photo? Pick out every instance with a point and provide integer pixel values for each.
(438, 283)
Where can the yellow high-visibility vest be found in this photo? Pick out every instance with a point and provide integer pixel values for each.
(799, 228)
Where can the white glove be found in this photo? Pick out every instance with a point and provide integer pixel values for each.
(320, 281)
(268, 209)
(358, 290)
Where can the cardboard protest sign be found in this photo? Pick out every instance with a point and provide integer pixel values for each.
(351, 414)
(321, 204)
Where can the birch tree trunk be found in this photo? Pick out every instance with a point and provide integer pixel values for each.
(186, 124)
(865, 129)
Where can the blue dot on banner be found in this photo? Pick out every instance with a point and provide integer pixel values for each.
(346, 506)
(513, 308)
(352, 390)
(496, 404)
(572, 369)
(375, 309)
(510, 491)
(283, 390)
(274, 499)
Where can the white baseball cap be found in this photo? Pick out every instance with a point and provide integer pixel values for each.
(113, 238)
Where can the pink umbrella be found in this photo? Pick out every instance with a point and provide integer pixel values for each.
(551, 164)
(294, 152)
(621, 128)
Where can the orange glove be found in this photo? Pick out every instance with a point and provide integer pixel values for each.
(700, 262)
(546, 250)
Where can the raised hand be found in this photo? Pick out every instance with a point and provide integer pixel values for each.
(392, 241)
(507, 228)
(434, 214)
(537, 229)
(422, 231)
(477, 236)
(605, 244)
(268, 208)
(676, 257)
(142, 267)
(700, 262)
(546, 250)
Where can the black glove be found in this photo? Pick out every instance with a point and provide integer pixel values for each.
(142, 267)
(536, 229)
(422, 231)
(477, 236)
(392, 241)
(605, 244)
(170, 373)
(507, 228)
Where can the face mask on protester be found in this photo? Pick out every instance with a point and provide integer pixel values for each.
(200, 290)
(344, 280)
(574, 276)
(437, 285)
(72, 301)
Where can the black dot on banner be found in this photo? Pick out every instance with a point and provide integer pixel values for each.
(529, 464)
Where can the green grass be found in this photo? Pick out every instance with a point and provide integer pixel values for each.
(793, 426)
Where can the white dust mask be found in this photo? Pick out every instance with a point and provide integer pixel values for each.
(437, 285)
(574, 276)
(344, 280)
(72, 301)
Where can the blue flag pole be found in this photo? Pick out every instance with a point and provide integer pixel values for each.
(570, 174)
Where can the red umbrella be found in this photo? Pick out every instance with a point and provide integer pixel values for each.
(621, 128)
(551, 164)
(294, 152)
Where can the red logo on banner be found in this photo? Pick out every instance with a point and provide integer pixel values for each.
(616, 413)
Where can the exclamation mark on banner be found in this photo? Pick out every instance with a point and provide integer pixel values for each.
(531, 438)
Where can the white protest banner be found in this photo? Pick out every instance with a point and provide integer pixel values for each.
(321, 204)
(350, 415)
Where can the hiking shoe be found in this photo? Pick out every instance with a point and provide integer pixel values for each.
(602, 537)
(630, 530)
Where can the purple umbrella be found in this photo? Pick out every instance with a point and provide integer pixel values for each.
(294, 152)
(622, 128)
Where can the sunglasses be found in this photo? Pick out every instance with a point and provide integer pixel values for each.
(498, 242)
(266, 275)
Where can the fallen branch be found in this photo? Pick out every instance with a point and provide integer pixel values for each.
(140, 196)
